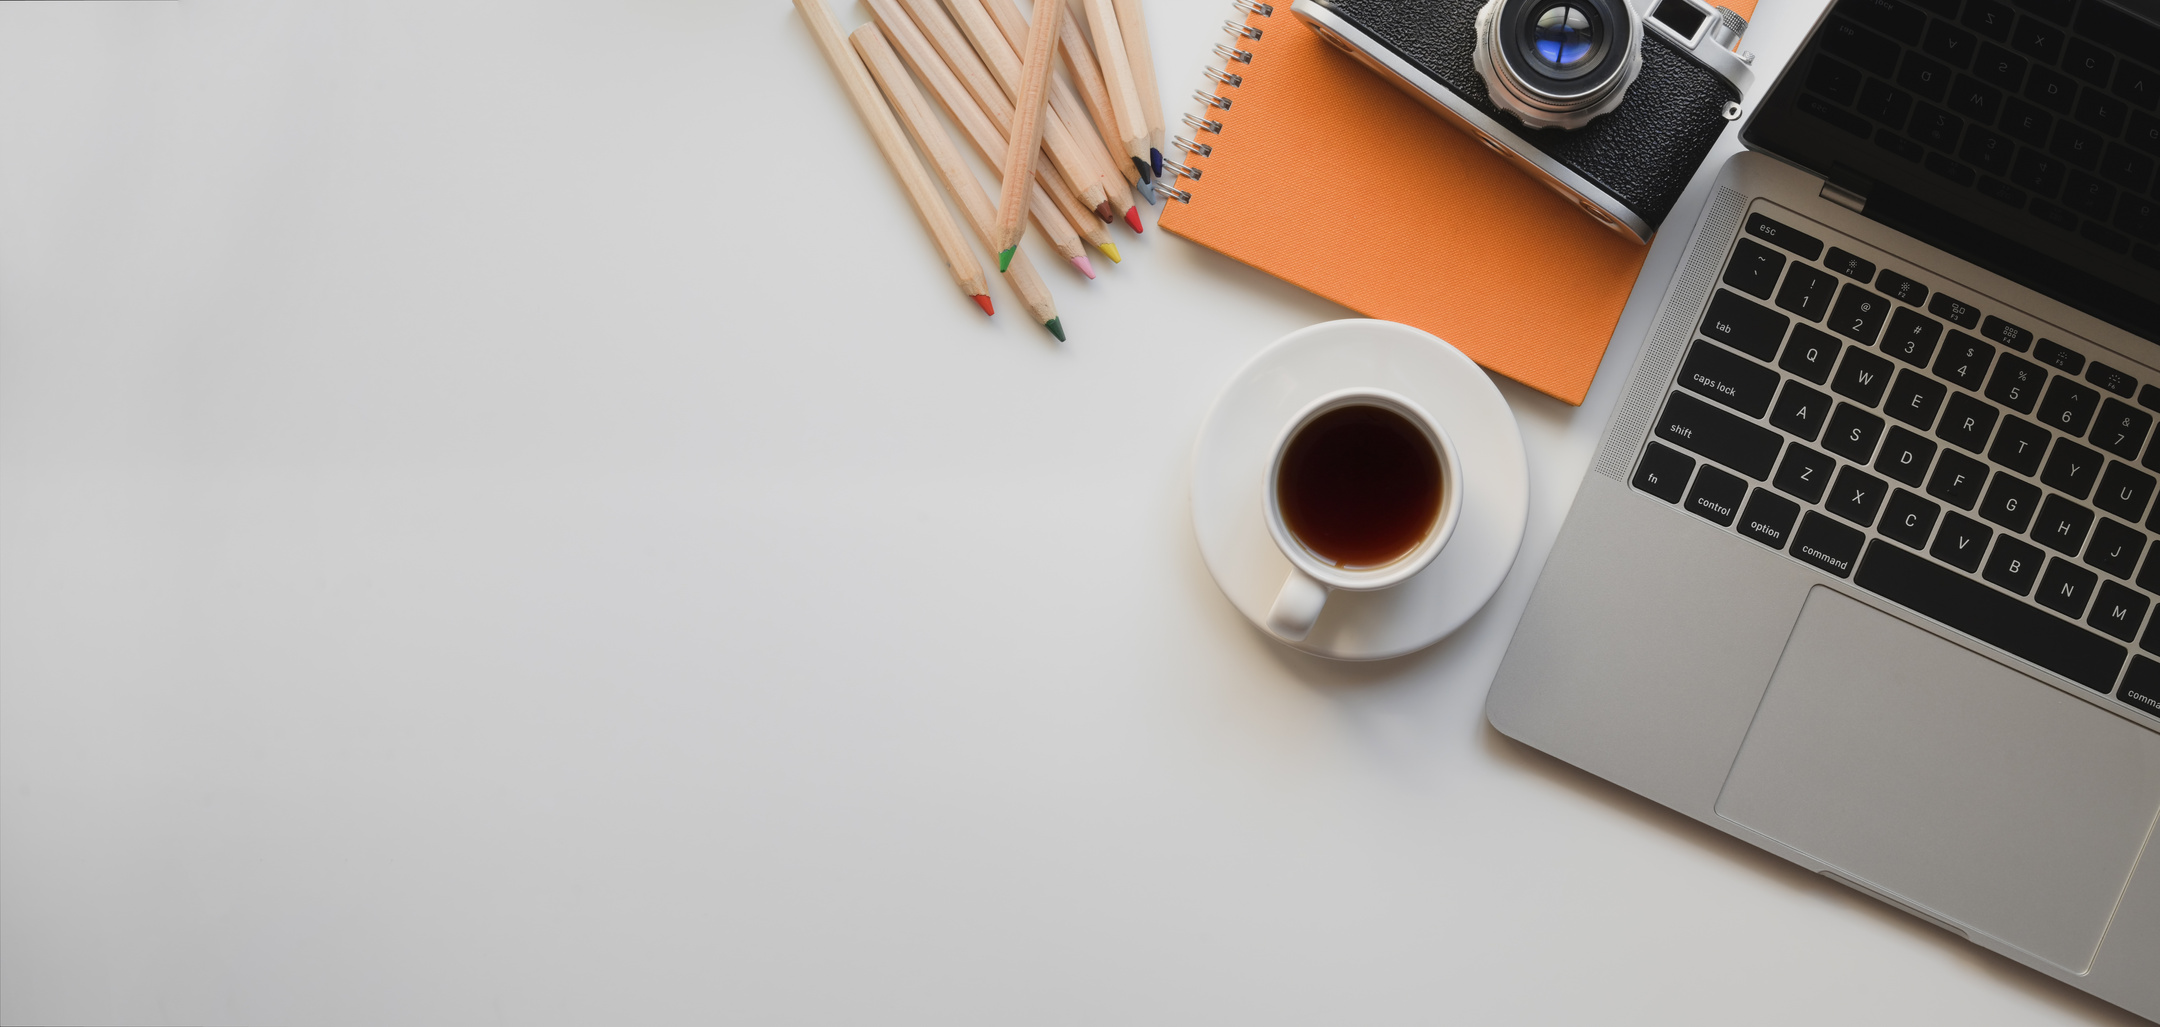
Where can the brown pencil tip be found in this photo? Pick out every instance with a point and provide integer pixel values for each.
(1106, 212)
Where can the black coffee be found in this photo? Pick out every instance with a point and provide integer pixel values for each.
(1360, 486)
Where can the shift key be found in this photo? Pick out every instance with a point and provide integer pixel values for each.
(1712, 433)
(1729, 378)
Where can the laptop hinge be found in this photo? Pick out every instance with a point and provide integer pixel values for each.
(1844, 197)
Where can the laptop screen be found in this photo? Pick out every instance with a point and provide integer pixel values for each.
(2022, 135)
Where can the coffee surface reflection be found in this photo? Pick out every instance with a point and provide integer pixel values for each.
(1359, 486)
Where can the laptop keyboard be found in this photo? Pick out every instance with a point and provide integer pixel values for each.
(2036, 106)
(1941, 451)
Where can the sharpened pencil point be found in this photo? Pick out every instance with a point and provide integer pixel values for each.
(1132, 217)
(1055, 328)
(1106, 212)
(1005, 259)
(984, 302)
(1086, 268)
(1110, 250)
(1155, 159)
(1147, 174)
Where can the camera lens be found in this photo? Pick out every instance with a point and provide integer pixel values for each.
(1563, 36)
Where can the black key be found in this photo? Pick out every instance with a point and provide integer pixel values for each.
(1810, 353)
(2140, 217)
(1729, 378)
(2026, 124)
(2117, 382)
(1924, 75)
(2057, 11)
(1784, 235)
(1995, 329)
(1850, 266)
(1961, 542)
(1955, 311)
(1712, 433)
(1900, 145)
(1915, 398)
(2121, 428)
(1664, 472)
(1834, 79)
(2010, 502)
(1716, 495)
(1957, 479)
(1905, 456)
(1990, 616)
(2117, 28)
(2088, 62)
(2077, 144)
(1858, 314)
(2149, 578)
(1885, 103)
(2065, 588)
(1804, 472)
(1950, 169)
(2138, 84)
(2118, 611)
(2016, 384)
(1807, 291)
(1800, 410)
(2088, 195)
(1888, 17)
(2041, 41)
(1950, 45)
(2115, 548)
(2149, 397)
(2000, 68)
(1908, 519)
(1754, 268)
(2040, 173)
(1827, 544)
(2069, 405)
(1856, 495)
(1966, 422)
(2062, 525)
(2141, 686)
(1989, 18)
(2019, 445)
(1912, 336)
(2059, 356)
(2014, 565)
(1751, 328)
(2002, 192)
(2101, 110)
(2143, 133)
(2152, 454)
(1990, 151)
(1974, 99)
(2126, 167)
(1769, 518)
(1852, 433)
(2052, 214)
(1901, 288)
(2124, 491)
(1964, 360)
(1861, 376)
(2071, 469)
(1936, 127)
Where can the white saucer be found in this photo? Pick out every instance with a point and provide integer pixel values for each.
(1230, 465)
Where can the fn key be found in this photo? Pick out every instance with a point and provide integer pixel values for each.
(1664, 472)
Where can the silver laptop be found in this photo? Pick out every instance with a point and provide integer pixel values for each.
(1864, 570)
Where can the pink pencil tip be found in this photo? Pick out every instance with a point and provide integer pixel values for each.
(1086, 268)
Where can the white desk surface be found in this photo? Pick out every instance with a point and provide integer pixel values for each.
(504, 520)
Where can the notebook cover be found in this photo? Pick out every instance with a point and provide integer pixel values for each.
(1330, 178)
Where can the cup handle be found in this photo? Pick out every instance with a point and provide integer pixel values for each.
(1297, 606)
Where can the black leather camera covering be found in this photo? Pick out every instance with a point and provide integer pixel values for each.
(1643, 152)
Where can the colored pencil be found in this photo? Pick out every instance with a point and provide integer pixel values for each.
(1124, 94)
(1133, 24)
(1088, 76)
(986, 129)
(1031, 105)
(922, 123)
(998, 32)
(966, 270)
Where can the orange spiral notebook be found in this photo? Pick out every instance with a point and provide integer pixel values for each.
(1328, 177)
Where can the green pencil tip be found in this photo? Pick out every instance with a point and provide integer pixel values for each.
(1055, 328)
(1005, 259)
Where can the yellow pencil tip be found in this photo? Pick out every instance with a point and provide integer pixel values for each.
(1110, 249)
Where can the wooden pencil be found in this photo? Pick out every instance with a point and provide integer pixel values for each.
(966, 270)
(922, 123)
(1088, 76)
(996, 40)
(985, 128)
(1133, 24)
(1031, 104)
(1117, 73)
(975, 32)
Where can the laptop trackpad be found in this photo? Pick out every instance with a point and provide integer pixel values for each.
(1947, 781)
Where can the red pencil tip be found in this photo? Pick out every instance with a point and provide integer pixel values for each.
(984, 302)
(1132, 217)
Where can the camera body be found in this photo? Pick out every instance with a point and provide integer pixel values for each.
(1612, 108)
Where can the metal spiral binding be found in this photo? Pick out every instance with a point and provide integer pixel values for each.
(1198, 123)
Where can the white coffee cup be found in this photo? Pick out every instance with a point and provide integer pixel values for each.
(1305, 592)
